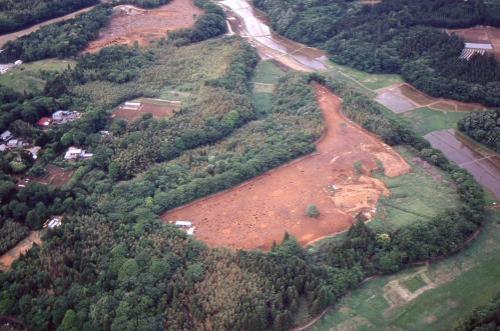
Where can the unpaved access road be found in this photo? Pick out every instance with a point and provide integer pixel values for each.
(22, 247)
(259, 212)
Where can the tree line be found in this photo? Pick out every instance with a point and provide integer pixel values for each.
(483, 127)
(18, 14)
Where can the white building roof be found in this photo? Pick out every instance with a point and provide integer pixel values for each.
(6, 135)
(486, 46)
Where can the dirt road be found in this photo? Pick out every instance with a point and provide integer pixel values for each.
(22, 247)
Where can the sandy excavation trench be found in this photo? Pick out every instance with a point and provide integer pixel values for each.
(130, 24)
(259, 212)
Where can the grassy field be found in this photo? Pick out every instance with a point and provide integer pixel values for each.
(29, 76)
(370, 81)
(425, 120)
(414, 196)
(266, 75)
(430, 297)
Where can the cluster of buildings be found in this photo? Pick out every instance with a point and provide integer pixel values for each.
(4, 68)
(59, 117)
(9, 142)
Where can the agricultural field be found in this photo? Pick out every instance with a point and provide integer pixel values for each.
(401, 98)
(131, 25)
(369, 81)
(31, 77)
(258, 213)
(158, 108)
(425, 120)
(56, 176)
(432, 297)
(416, 196)
(266, 76)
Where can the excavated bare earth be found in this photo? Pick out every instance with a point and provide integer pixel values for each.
(259, 212)
(130, 24)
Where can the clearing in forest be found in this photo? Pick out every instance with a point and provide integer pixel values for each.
(481, 34)
(401, 98)
(132, 110)
(336, 179)
(55, 176)
(22, 247)
(130, 24)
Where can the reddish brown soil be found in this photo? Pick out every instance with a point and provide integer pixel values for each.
(145, 26)
(481, 34)
(259, 212)
(157, 109)
(401, 98)
(56, 176)
(22, 247)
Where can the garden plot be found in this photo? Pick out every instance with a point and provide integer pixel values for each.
(55, 176)
(336, 179)
(159, 108)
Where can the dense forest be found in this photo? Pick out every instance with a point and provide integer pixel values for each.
(398, 36)
(18, 14)
(484, 127)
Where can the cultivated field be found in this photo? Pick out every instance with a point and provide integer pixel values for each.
(481, 34)
(401, 98)
(22, 247)
(431, 297)
(425, 120)
(56, 176)
(157, 107)
(336, 179)
(29, 76)
(130, 24)
(483, 164)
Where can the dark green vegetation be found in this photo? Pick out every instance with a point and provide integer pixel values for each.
(486, 317)
(483, 127)
(15, 15)
(62, 39)
(208, 25)
(398, 36)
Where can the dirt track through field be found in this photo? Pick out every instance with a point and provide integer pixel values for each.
(259, 212)
(22, 247)
(130, 24)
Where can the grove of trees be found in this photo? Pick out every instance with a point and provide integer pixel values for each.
(483, 127)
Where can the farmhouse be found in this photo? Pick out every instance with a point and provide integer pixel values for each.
(53, 222)
(471, 49)
(6, 136)
(44, 121)
(74, 153)
(15, 143)
(65, 116)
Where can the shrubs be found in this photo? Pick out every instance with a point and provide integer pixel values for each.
(483, 127)
(312, 211)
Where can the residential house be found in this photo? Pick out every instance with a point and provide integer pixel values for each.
(65, 116)
(15, 143)
(74, 154)
(6, 136)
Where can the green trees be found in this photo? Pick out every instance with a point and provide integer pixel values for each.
(484, 127)
(312, 211)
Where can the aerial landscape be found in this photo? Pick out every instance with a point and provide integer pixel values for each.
(249, 165)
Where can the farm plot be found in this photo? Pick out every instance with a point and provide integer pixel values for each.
(22, 247)
(336, 180)
(401, 98)
(430, 297)
(481, 34)
(484, 165)
(130, 24)
(55, 176)
(132, 110)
